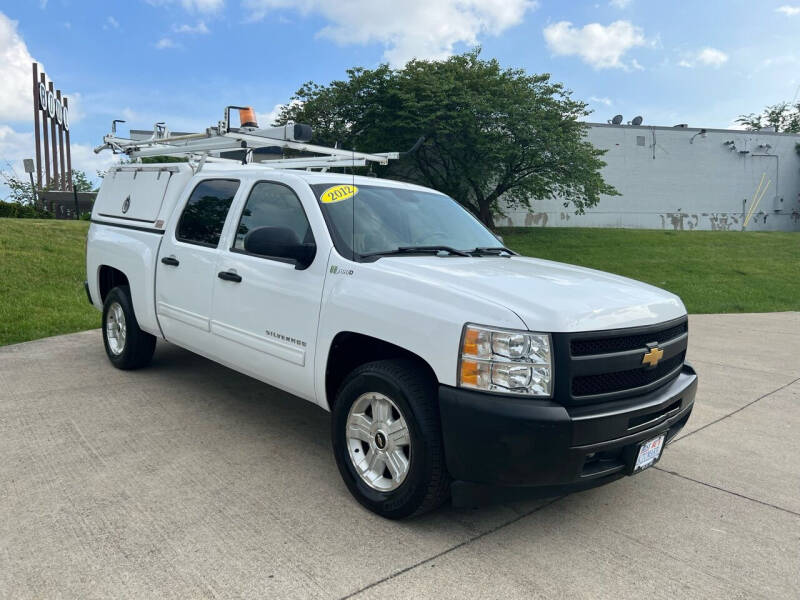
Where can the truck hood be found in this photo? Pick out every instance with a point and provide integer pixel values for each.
(546, 295)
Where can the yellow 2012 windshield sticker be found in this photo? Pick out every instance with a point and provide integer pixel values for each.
(338, 193)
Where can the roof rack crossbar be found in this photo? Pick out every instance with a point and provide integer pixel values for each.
(222, 138)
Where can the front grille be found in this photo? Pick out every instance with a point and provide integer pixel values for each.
(606, 383)
(607, 345)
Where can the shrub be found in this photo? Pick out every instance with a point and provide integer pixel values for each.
(23, 211)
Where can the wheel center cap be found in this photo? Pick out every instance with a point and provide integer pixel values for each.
(380, 440)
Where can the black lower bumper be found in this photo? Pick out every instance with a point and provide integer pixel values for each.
(88, 293)
(496, 441)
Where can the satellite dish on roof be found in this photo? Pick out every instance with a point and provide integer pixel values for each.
(637, 121)
(616, 120)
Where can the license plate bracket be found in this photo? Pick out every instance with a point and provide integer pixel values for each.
(646, 453)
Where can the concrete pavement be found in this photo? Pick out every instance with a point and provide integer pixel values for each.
(188, 480)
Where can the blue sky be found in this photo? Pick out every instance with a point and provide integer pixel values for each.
(701, 63)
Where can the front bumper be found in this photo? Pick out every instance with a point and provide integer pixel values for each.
(493, 440)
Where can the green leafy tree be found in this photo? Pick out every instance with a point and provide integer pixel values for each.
(19, 189)
(489, 132)
(784, 117)
(81, 182)
(21, 192)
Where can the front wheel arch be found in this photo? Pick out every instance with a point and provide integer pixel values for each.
(349, 350)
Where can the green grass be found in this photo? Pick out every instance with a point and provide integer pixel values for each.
(712, 271)
(42, 269)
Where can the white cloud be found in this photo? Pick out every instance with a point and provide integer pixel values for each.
(601, 46)
(410, 29)
(111, 23)
(267, 119)
(85, 159)
(16, 94)
(15, 72)
(15, 146)
(712, 57)
(708, 57)
(788, 10)
(200, 28)
(165, 43)
(202, 6)
(604, 100)
(620, 3)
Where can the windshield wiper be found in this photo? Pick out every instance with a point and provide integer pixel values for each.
(417, 250)
(496, 251)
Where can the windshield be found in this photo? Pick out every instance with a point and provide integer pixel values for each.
(371, 219)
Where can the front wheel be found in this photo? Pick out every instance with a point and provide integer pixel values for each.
(387, 439)
(127, 346)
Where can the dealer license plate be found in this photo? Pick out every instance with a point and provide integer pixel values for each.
(648, 453)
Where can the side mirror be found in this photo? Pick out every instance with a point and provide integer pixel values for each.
(280, 242)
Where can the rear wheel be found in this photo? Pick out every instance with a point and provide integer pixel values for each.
(127, 346)
(387, 439)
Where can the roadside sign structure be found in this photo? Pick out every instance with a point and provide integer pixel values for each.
(51, 134)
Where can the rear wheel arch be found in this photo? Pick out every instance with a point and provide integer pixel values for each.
(350, 350)
(108, 278)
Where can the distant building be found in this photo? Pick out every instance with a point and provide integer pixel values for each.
(686, 178)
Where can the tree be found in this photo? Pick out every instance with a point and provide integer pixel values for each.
(81, 182)
(20, 190)
(784, 117)
(489, 132)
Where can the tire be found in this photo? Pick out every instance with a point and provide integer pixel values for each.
(134, 348)
(360, 407)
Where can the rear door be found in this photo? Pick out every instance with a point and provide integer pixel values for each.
(185, 269)
(264, 320)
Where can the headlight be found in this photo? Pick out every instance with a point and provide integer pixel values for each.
(505, 361)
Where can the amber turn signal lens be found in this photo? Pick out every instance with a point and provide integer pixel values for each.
(247, 117)
(470, 342)
(469, 372)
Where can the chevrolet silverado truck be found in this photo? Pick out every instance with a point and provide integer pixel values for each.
(452, 367)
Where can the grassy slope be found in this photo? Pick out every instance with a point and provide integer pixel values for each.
(42, 269)
(713, 271)
(41, 279)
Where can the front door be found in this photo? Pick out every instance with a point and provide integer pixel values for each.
(185, 268)
(265, 312)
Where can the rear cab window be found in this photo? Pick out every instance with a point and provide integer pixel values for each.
(203, 217)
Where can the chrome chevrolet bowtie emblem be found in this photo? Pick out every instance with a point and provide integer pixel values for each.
(652, 356)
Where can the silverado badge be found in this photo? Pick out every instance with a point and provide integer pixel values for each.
(652, 356)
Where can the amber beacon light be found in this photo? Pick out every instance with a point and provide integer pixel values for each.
(247, 117)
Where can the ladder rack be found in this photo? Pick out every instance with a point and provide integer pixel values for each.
(200, 148)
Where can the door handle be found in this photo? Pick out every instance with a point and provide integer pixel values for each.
(229, 276)
(171, 261)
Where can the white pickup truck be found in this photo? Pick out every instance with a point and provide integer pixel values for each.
(451, 365)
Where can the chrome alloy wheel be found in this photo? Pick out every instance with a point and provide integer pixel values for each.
(115, 328)
(378, 442)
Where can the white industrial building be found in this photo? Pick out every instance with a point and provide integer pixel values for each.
(685, 178)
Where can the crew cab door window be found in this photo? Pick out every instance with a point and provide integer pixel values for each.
(273, 205)
(203, 217)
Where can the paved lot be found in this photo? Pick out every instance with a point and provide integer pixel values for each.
(189, 480)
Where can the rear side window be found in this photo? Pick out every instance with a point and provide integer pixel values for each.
(204, 215)
(273, 205)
